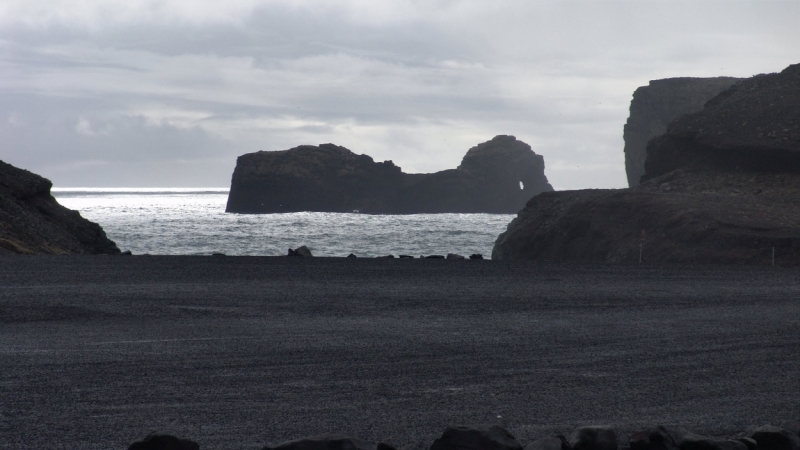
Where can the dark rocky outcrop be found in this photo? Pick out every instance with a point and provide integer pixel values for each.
(164, 442)
(32, 221)
(654, 106)
(754, 126)
(498, 176)
(721, 186)
(301, 251)
(330, 441)
(477, 437)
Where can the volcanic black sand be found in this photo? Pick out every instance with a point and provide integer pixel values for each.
(240, 352)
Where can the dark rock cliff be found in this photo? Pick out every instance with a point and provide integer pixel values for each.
(498, 176)
(752, 126)
(654, 106)
(32, 221)
(722, 185)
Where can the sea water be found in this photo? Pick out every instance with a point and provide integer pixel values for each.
(186, 221)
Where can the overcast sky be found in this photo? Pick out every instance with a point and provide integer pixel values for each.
(170, 92)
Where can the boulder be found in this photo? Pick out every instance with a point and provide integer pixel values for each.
(550, 443)
(435, 257)
(656, 438)
(454, 256)
(594, 438)
(693, 441)
(654, 106)
(791, 425)
(749, 442)
(329, 441)
(721, 186)
(352, 255)
(476, 256)
(497, 176)
(771, 437)
(406, 257)
(164, 442)
(33, 222)
(478, 437)
(302, 251)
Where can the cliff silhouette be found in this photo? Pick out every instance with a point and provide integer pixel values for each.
(722, 185)
(497, 176)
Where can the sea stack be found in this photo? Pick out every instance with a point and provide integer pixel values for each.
(656, 105)
(722, 185)
(32, 221)
(497, 176)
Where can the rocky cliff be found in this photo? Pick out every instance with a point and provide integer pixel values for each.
(498, 176)
(656, 105)
(32, 221)
(721, 185)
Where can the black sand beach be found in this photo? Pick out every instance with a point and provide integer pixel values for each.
(239, 352)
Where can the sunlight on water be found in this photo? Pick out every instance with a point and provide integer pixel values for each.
(193, 221)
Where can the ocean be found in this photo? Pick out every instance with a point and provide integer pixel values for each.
(193, 221)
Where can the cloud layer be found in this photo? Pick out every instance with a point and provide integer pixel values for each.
(168, 93)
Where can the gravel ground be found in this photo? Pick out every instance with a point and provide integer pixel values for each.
(240, 352)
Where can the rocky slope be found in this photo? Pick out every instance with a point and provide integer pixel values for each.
(32, 221)
(498, 176)
(722, 186)
(654, 106)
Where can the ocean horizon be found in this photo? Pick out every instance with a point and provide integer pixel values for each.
(193, 221)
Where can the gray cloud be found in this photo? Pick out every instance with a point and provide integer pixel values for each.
(167, 94)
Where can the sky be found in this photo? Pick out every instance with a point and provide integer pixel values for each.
(167, 93)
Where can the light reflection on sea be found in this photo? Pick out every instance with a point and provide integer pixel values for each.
(193, 221)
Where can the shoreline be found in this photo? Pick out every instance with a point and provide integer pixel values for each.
(242, 352)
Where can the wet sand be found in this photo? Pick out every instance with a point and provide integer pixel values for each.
(240, 352)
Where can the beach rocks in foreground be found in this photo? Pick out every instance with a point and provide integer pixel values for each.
(721, 186)
(558, 442)
(497, 176)
(495, 437)
(33, 222)
(164, 442)
(656, 438)
(693, 441)
(330, 441)
(478, 437)
(771, 437)
(595, 438)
